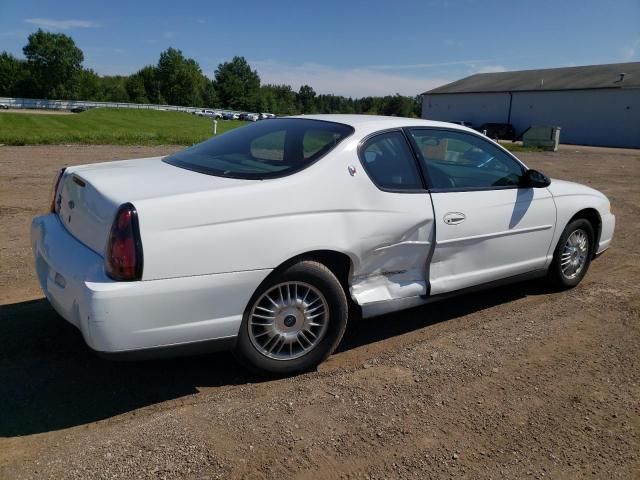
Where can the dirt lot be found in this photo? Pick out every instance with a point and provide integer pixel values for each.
(510, 383)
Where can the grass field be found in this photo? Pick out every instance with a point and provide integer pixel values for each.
(517, 147)
(120, 127)
(109, 126)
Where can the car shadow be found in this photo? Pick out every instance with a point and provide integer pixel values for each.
(371, 330)
(50, 379)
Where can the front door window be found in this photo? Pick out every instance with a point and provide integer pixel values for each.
(461, 161)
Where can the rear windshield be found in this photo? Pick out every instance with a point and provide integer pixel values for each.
(265, 149)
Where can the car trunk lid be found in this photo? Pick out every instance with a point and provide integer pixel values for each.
(89, 196)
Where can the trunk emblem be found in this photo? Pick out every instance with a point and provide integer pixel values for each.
(71, 204)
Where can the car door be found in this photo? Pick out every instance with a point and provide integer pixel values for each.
(487, 226)
(396, 233)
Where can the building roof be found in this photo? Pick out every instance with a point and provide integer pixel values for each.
(566, 78)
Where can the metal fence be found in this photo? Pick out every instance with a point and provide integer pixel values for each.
(42, 104)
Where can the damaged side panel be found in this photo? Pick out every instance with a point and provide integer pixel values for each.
(393, 266)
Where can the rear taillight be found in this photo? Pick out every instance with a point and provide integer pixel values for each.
(55, 203)
(123, 259)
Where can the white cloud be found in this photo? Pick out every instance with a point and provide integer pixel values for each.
(353, 82)
(102, 50)
(61, 24)
(490, 69)
(412, 66)
(631, 52)
(14, 34)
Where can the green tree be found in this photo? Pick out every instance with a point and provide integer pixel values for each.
(149, 76)
(114, 89)
(306, 99)
(136, 91)
(180, 79)
(88, 86)
(398, 106)
(209, 94)
(370, 105)
(237, 84)
(280, 99)
(268, 99)
(12, 73)
(54, 63)
(417, 106)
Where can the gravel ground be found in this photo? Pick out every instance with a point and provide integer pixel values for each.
(509, 383)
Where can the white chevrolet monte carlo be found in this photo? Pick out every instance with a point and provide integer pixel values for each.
(267, 238)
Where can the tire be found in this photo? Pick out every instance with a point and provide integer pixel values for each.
(565, 276)
(294, 321)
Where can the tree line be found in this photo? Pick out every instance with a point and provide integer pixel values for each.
(52, 68)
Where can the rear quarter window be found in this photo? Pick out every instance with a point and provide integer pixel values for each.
(269, 146)
(316, 140)
(265, 149)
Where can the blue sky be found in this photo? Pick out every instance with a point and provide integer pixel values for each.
(345, 47)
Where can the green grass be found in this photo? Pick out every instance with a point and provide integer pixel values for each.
(109, 126)
(517, 147)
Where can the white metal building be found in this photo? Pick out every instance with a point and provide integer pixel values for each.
(594, 105)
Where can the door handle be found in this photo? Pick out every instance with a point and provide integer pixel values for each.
(454, 218)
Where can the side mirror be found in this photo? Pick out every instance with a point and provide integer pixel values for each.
(535, 179)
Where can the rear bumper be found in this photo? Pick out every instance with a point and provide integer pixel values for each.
(125, 317)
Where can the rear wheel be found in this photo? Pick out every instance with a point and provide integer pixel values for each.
(294, 321)
(572, 257)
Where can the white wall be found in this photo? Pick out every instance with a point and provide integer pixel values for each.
(477, 108)
(587, 117)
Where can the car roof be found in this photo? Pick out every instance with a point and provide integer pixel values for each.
(380, 122)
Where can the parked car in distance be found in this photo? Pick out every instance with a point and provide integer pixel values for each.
(78, 109)
(268, 238)
(209, 113)
(4, 106)
(252, 117)
(230, 116)
(264, 116)
(502, 131)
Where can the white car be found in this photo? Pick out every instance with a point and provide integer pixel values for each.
(252, 117)
(209, 113)
(265, 239)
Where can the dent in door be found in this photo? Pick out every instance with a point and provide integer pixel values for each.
(394, 268)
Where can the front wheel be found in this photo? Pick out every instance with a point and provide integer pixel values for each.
(572, 257)
(294, 321)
